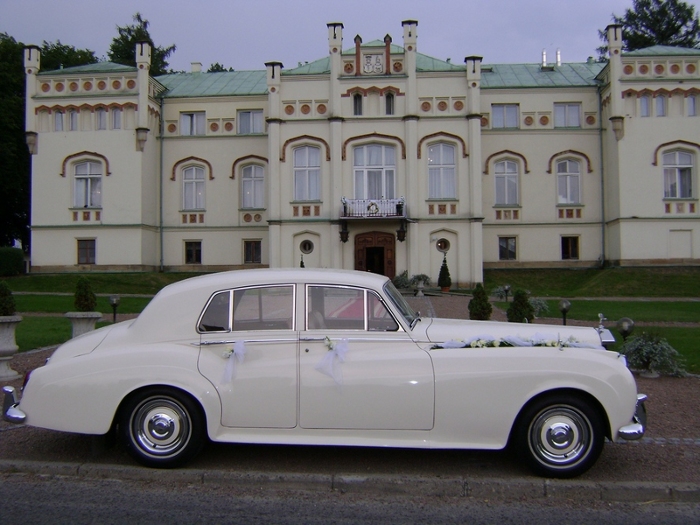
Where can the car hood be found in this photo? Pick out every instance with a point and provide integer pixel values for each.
(455, 330)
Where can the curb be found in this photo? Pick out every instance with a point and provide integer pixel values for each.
(416, 486)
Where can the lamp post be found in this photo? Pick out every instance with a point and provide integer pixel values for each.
(506, 289)
(114, 302)
(625, 326)
(564, 307)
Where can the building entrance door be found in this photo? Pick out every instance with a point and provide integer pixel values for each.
(376, 252)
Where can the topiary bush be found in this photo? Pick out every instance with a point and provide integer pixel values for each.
(11, 261)
(7, 300)
(85, 300)
(444, 279)
(651, 353)
(402, 281)
(520, 310)
(480, 308)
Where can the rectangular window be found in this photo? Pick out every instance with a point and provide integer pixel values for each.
(263, 308)
(441, 172)
(307, 173)
(73, 120)
(506, 180)
(101, 119)
(569, 248)
(357, 104)
(692, 106)
(250, 122)
(678, 170)
(504, 115)
(88, 185)
(660, 106)
(192, 123)
(644, 106)
(58, 121)
(253, 187)
(506, 249)
(567, 115)
(86, 251)
(252, 252)
(193, 252)
(336, 308)
(389, 102)
(116, 118)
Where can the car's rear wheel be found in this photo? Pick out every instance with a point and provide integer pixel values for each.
(560, 436)
(162, 427)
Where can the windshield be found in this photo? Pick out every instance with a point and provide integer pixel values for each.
(400, 303)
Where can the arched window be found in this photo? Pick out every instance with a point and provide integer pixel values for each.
(569, 182)
(193, 188)
(87, 191)
(252, 186)
(307, 173)
(441, 172)
(506, 178)
(375, 171)
(678, 174)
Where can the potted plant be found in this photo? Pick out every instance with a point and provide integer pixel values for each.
(444, 279)
(8, 324)
(85, 316)
(420, 280)
(520, 310)
(479, 306)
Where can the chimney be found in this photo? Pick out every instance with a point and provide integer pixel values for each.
(558, 57)
(544, 58)
(196, 67)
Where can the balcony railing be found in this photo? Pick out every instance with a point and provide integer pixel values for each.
(374, 208)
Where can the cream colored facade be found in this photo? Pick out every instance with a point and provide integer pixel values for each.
(375, 157)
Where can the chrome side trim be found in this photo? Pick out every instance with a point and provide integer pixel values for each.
(10, 412)
(635, 430)
(231, 341)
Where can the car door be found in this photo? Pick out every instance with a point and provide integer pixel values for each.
(358, 368)
(249, 349)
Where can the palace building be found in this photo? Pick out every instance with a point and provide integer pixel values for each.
(374, 157)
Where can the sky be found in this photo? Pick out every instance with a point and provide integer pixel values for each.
(244, 34)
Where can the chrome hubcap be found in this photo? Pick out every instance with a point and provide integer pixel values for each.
(560, 436)
(161, 427)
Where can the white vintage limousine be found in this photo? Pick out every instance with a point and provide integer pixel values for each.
(328, 357)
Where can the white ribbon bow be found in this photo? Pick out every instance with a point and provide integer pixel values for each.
(235, 355)
(330, 364)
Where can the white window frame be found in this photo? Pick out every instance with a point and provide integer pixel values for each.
(568, 181)
(678, 166)
(505, 116)
(389, 103)
(87, 184)
(507, 244)
(374, 167)
(193, 188)
(193, 123)
(253, 186)
(442, 171)
(58, 120)
(100, 119)
(645, 106)
(73, 120)
(506, 182)
(661, 106)
(307, 173)
(250, 122)
(567, 115)
(357, 105)
(692, 104)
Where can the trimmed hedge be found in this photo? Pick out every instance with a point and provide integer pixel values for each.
(11, 261)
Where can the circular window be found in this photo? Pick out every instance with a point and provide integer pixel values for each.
(443, 245)
(306, 247)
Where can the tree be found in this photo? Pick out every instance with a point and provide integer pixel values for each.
(57, 55)
(520, 310)
(444, 278)
(84, 299)
(122, 50)
(14, 161)
(218, 68)
(656, 22)
(480, 308)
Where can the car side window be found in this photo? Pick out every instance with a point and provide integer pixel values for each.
(263, 308)
(217, 314)
(335, 308)
(378, 317)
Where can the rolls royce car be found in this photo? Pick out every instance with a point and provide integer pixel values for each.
(331, 357)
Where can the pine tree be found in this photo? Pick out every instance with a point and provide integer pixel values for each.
(444, 279)
(122, 50)
(480, 307)
(520, 310)
(85, 300)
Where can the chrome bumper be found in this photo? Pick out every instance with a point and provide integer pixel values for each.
(635, 430)
(10, 412)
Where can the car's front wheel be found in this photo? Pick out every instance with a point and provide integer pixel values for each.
(560, 436)
(162, 427)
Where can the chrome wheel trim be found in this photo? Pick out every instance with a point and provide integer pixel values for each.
(560, 436)
(161, 427)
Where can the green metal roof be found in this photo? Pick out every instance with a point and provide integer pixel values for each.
(225, 83)
(663, 51)
(97, 68)
(495, 76)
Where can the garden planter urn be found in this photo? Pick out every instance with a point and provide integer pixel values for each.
(83, 321)
(8, 346)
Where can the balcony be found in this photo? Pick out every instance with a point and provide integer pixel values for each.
(373, 208)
